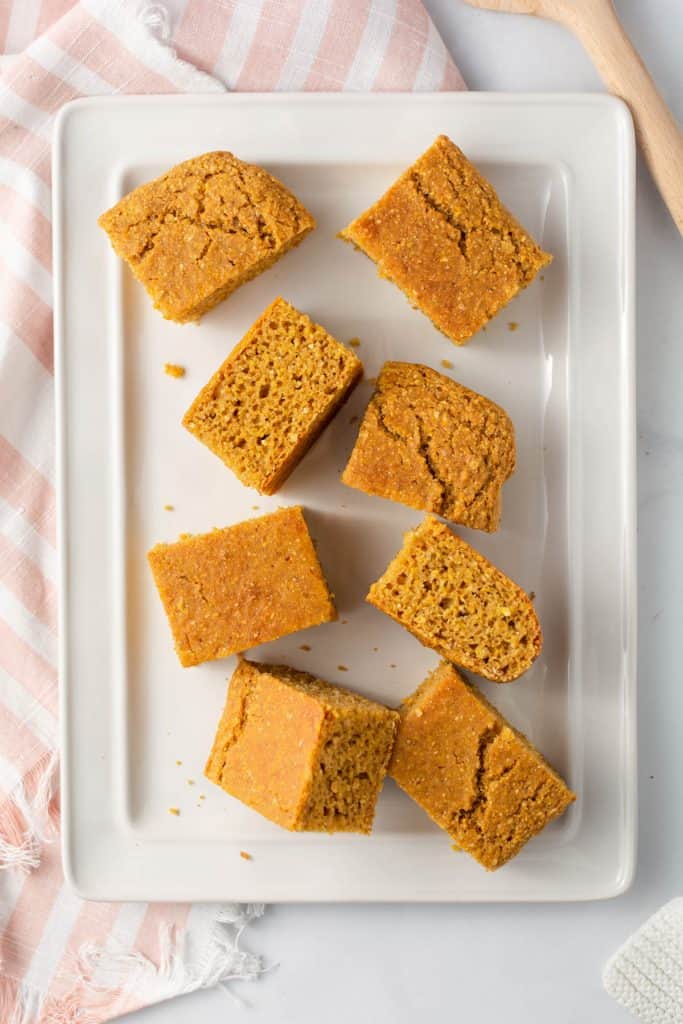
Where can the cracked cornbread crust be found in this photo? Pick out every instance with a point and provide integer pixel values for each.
(231, 589)
(308, 755)
(443, 236)
(202, 229)
(454, 600)
(273, 396)
(475, 776)
(432, 444)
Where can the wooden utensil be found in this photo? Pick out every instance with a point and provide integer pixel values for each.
(596, 24)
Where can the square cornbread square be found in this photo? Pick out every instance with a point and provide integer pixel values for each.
(231, 589)
(273, 396)
(457, 602)
(308, 755)
(475, 776)
(202, 229)
(431, 443)
(443, 236)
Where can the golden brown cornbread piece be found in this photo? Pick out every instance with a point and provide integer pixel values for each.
(443, 236)
(431, 443)
(308, 755)
(453, 599)
(273, 396)
(474, 775)
(202, 229)
(231, 589)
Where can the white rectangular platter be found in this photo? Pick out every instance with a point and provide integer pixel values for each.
(136, 726)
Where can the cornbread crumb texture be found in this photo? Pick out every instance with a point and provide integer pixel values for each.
(202, 229)
(273, 396)
(307, 755)
(443, 236)
(474, 775)
(431, 443)
(173, 370)
(454, 600)
(231, 589)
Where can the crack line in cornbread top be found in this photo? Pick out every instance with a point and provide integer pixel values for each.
(443, 236)
(474, 774)
(201, 230)
(432, 444)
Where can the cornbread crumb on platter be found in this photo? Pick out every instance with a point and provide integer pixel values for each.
(474, 774)
(455, 601)
(174, 370)
(273, 396)
(443, 236)
(308, 755)
(198, 232)
(233, 588)
(430, 443)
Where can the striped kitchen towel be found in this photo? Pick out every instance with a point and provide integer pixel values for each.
(62, 960)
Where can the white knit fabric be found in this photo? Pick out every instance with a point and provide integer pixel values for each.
(646, 974)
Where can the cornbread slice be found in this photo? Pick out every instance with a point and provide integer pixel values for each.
(443, 236)
(431, 443)
(308, 755)
(202, 229)
(273, 396)
(231, 589)
(474, 775)
(452, 599)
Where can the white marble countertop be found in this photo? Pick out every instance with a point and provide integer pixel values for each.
(527, 963)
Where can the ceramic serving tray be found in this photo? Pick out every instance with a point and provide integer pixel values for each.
(136, 727)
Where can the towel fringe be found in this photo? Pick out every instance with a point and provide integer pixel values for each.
(23, 1004)
(29, 816)
(156, 19)
(106, 980)
(19, 1003)
(103, 969)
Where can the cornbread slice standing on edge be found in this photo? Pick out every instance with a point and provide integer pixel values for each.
(273, 396)
(308, 755)
(454, 600)
(202, 229)
(431, 443)
(443, 236)
(474, 775)
(231, 589)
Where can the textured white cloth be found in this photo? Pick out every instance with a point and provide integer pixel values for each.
(646, 974)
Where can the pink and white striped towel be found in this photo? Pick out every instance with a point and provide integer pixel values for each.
(62, 960)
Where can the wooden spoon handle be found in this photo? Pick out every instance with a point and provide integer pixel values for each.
(626, 76)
